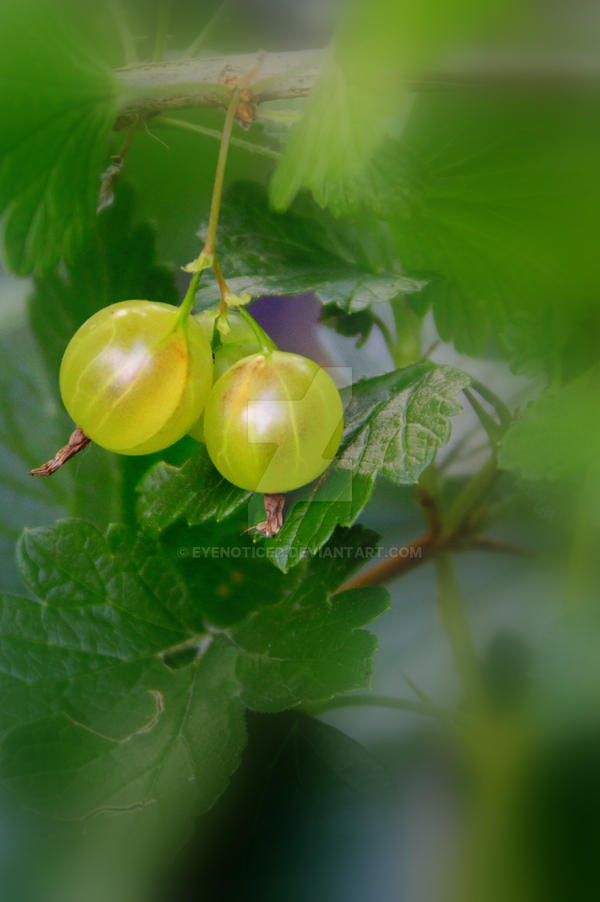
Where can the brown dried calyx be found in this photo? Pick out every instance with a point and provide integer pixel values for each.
(274, 505)
(77, 442)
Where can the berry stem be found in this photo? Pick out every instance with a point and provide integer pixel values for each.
(215, 204)
(188, 301)
(267, 345)
(223, 287)
(206, 258)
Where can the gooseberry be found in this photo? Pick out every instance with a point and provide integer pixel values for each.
(134, 377)
(240, 341)
(273, 422)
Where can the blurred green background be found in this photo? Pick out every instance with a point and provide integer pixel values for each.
(491, 194)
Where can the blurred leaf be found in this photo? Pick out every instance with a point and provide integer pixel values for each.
(93, 719)
(360, 89)
(58, 108)
(349, 324)
(24, 402)
(558, 435)
(343, 757)
(32, 427)
(502, 234)
(117, 262)
(566, 674)
(264, 253)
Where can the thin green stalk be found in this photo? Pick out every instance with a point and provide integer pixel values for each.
(187, 304)
(375, 701)
(493, 430)
(215, 133)
(206, 256)
(215, 204)
(474, 491)
(502, 410)
(457, 629)
(458, 449)
(267, 345)
(407, 346)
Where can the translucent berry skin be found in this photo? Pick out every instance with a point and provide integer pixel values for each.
(239, 342)
(133, 379)
(273, 422)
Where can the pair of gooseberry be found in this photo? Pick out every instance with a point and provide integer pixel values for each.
(136, 378)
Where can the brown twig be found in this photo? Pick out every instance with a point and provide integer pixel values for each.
(154, 88)
(77, 442)
(488, 543)
(437, 539)
(412, 556)
(424, 549)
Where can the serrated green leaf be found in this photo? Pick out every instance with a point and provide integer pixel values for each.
(265, 253)
(195, 492)
(308, 653)
(394, 425)
(58, 108)
(290, 652)
(94, 719)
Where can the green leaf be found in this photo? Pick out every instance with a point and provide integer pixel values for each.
(24, 401)
(348, 324)
(361, 89)
(394, 425)
(195, 492)
(58, 108)
(117, 261)
(294, 651)
(93, 718)
(557, 436)
(343, 757)
(306, 653)
(32, 427)
(503, 237)
(95, 715)
(265, 253)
